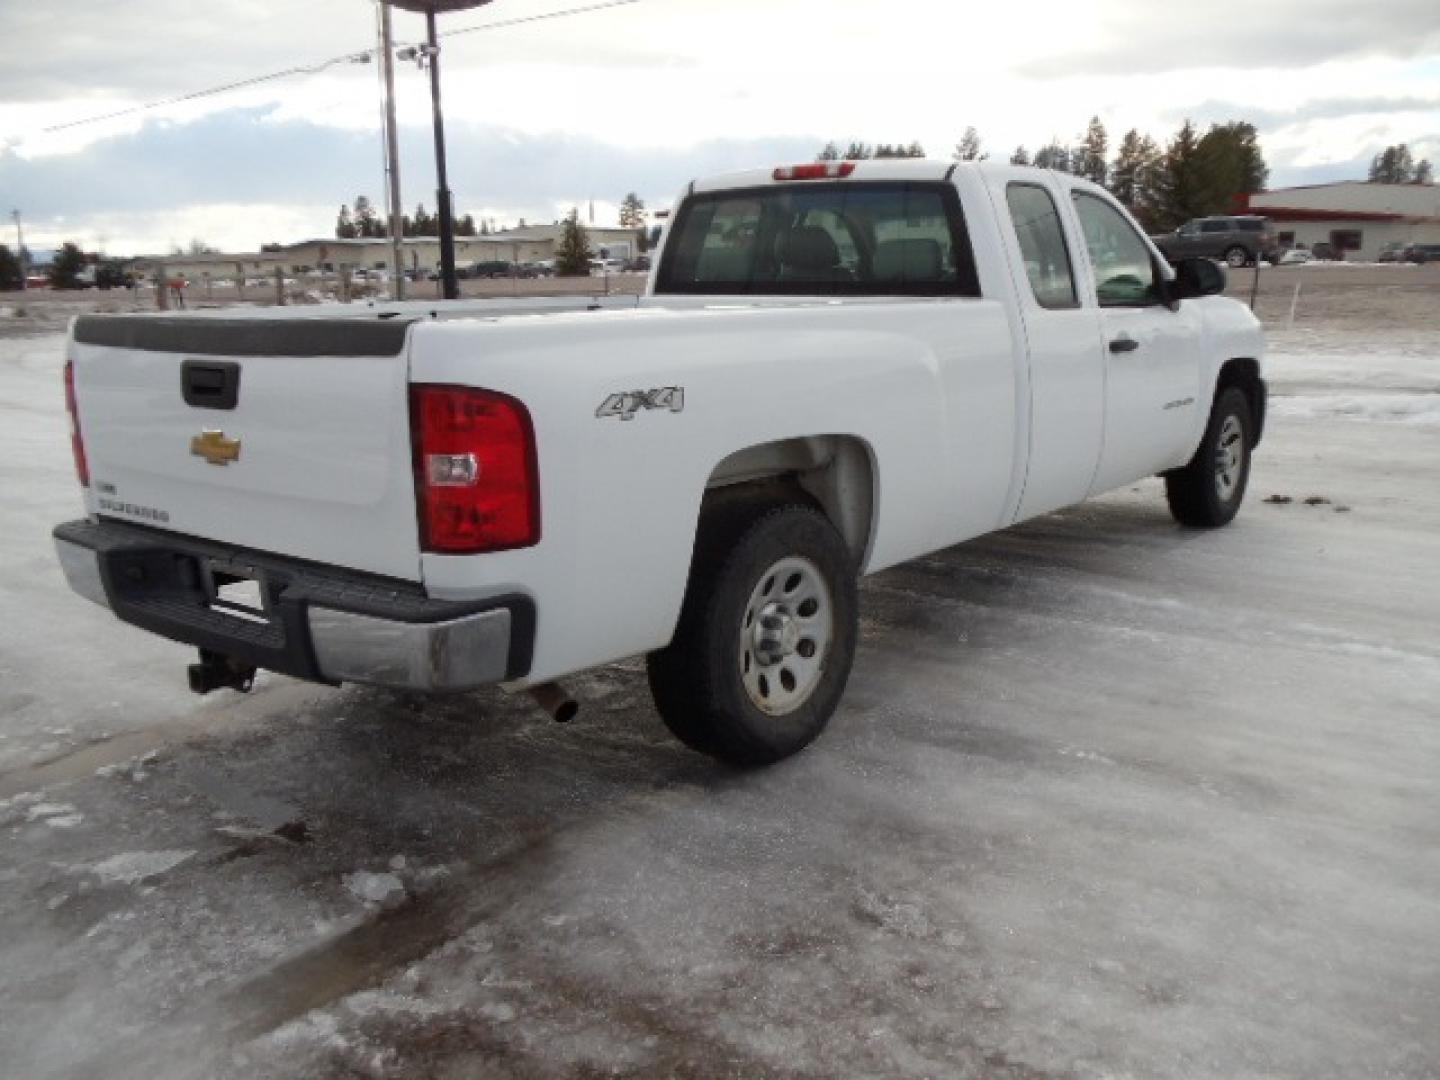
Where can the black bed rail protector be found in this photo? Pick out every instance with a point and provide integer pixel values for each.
(246, 337)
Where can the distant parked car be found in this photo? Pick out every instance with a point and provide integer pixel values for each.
(1392, 253)
(493, 268)
(639, 265)
(1237, 241)
(1422, 253)
(1327, 252)
(1294, 257)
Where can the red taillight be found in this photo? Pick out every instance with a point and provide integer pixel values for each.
(77, 444)
(475, 474)
(820, 170)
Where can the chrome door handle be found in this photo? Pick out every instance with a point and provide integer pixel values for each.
(1124, 344)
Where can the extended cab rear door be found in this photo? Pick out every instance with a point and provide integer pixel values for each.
(1063, 360)
(1152, 351)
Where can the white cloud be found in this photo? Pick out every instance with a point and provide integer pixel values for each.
(667, 78)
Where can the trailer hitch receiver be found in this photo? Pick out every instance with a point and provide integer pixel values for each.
(218, 672)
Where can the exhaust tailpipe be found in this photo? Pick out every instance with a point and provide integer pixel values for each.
(555, 700)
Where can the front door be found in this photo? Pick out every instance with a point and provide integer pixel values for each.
(1152, 353)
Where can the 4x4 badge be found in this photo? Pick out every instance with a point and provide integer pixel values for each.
(626, 405)
(215, 448)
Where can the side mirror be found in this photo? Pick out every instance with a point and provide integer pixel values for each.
(1197, 277)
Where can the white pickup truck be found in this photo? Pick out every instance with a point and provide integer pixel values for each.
(836, 367)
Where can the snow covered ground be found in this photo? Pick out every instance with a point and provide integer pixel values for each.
(1106, 798)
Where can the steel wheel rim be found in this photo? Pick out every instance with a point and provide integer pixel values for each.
(785, 634)
(1236, 259)
(1229, 457)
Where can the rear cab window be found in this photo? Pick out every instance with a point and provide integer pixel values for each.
(876, 238)
(1043, 249)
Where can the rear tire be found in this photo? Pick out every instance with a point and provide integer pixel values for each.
(1208, 491)
(1236, 257)
(766, 636)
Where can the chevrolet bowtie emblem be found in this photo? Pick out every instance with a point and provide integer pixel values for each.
(215, 448)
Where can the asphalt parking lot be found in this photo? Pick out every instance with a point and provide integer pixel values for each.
(1106, 798)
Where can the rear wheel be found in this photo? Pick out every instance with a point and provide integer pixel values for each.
(1236, 257)
(766, 635)
(1208, 491)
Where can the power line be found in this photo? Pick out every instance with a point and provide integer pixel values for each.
(501, 24)
(360, 56)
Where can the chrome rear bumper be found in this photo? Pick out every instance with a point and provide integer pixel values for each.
(318, 623)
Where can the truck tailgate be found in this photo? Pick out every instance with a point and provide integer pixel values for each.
(287, 435)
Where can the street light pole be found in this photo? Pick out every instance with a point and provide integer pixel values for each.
(449, 281)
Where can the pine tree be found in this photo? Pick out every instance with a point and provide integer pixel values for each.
(10, 276)
(1424, 172)
(632, 212)
(1021, 156)
(466, 227)
(1089, 158)
(365, 218)
(1182, 188)
(858, 151)
(572, 254)
(1133, 174)
(1053, 156)
(1393, 165)
(829, 152)
(344, 226)
(968, 148)
(65, 270)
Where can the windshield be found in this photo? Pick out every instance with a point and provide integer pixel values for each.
(871, 239)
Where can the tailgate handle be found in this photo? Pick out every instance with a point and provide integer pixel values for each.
(210, 385)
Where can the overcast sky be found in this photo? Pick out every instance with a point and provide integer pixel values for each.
(643, 97)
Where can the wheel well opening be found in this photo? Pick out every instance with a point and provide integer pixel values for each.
(835, 472)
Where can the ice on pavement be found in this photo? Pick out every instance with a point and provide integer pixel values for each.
(129, 867)
(1105, 797)
(385, 889)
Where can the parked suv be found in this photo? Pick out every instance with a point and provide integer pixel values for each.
(1239, 241)
(1422, 253)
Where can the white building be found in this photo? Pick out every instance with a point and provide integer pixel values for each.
(533, 244)
(1355, 217)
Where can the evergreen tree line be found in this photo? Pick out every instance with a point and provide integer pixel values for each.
(365, 221)
(1193, 175)
(859, 151)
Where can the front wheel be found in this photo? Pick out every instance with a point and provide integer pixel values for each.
(766, 636)
(1236, 257)
(1208, 491)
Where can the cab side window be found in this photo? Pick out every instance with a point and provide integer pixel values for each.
(1042, 245)
(1124, 269)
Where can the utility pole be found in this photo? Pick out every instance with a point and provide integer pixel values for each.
(20, 252)
(392, 155)
(449, 282)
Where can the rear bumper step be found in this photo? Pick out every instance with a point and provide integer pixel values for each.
(313, 622)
